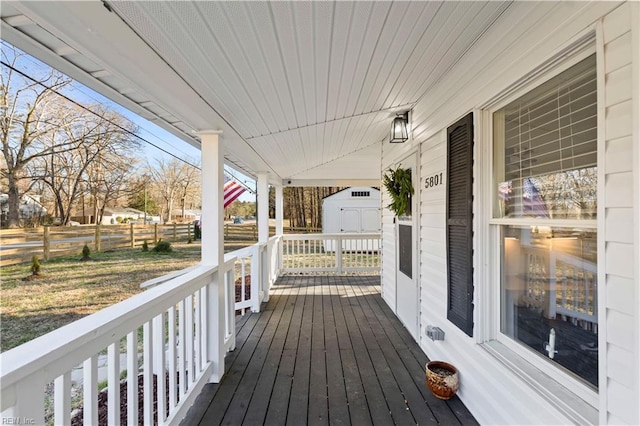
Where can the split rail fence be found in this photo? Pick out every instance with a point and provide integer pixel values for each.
(48, 242)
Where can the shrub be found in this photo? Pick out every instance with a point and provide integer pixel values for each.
(86, 253)
(190, 240)
(163, 247)
(145, 246)
(35, 265)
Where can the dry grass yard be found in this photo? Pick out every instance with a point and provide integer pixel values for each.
(69, 289)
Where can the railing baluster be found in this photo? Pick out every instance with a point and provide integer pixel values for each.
(113, 383)
(159, 363)
(147, 371)
(339, 255)
(230, 326)
(171, 355)
(188, 301)
(585, 281)
(132, 378)
(204, 325)
(289, 250)
(62, 399)
(90, 391)
(182, 357)
(197, 334)
(243, 295)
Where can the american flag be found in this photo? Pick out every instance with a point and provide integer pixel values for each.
(533, 204)
(232, 190)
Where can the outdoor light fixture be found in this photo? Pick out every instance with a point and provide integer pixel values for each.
(399, 133)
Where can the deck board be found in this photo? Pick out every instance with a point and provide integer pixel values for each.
(324, 350)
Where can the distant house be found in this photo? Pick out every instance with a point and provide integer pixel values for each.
(30, 207)
(189, 215)
(126, 214)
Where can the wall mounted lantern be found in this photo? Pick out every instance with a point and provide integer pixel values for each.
(399, 133)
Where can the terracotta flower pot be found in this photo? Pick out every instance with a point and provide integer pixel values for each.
(442, 379)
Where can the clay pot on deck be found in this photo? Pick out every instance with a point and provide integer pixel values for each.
(442, 379)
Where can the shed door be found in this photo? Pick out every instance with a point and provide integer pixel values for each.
(350, 220)
(370, 220)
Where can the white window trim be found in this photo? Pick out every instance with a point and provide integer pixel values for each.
(530, 366)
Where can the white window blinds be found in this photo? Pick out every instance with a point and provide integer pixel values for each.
(548, 150)
(553, 128)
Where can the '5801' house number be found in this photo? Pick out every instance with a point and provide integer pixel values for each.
(433, 181)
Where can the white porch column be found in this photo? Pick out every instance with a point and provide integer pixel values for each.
(263, 208)
(212, 220)
(279, 211)
(263, 234)
(279, 225)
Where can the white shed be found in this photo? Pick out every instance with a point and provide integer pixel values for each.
(352, 210)
(355, 209)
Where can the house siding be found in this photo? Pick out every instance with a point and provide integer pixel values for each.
(620, 402)
(526, 37)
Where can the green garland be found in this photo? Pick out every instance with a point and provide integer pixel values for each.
(398, 184)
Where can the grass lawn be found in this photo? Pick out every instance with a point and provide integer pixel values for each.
(69, 289)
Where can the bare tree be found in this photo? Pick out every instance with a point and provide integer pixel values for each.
(303, 206)
(30, 111)
(112, 176)
(172, 180)
(94, 160)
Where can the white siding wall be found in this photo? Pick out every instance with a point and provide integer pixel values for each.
(528, 36)
(620, 404)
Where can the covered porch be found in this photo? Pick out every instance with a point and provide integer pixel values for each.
(303, 94)
(324, 349)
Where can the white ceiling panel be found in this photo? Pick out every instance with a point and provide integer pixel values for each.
(299, 89)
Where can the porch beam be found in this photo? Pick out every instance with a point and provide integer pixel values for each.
(212, 220)
(331, 182)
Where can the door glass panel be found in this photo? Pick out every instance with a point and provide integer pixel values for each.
(405, 257)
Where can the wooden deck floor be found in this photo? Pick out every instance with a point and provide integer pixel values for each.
(324, 350)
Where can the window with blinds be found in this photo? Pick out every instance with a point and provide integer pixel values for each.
(547, 163)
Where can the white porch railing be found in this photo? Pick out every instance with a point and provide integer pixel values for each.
(561, 284)
(336, 253)
(164, 337)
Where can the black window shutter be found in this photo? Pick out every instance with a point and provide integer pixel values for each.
(460, 224)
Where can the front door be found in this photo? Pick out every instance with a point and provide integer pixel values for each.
(407, 291)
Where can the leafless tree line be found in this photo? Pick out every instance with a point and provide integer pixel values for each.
(81, 158)
(303, 205)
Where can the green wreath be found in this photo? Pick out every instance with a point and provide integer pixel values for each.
(398, 184)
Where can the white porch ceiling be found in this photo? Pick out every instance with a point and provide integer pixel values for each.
(302, 90)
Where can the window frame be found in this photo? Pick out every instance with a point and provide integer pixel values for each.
(491, 320)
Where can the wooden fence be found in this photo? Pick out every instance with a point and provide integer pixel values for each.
(47, 242)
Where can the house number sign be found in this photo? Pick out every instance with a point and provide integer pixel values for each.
(433, 181)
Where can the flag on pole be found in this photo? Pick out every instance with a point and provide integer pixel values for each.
(232, 190)
(533, 204)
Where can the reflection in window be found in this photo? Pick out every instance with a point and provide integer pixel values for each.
(549, 287)
(564, 195)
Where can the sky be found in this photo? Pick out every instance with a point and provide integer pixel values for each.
(147, 130)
